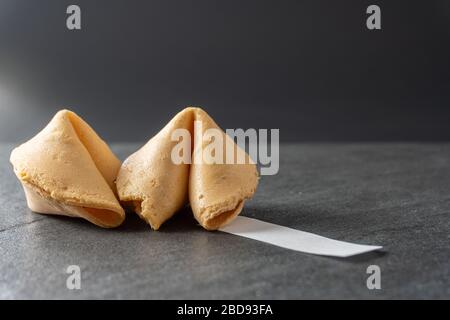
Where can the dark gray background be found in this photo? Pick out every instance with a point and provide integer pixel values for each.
(310, 68)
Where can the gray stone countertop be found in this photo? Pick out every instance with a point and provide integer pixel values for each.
(390, 194)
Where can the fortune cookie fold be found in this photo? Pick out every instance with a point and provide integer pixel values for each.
(157, 187)
(67, 169)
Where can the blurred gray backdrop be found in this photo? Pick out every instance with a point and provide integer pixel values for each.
(310, 68)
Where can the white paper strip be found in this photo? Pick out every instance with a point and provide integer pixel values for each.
(293, 239)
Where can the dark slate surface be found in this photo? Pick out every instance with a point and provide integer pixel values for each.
(395, 195)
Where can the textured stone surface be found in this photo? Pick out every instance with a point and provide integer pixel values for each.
(395, 195)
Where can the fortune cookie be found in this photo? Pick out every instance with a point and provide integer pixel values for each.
(156, 187)
(67, 169)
